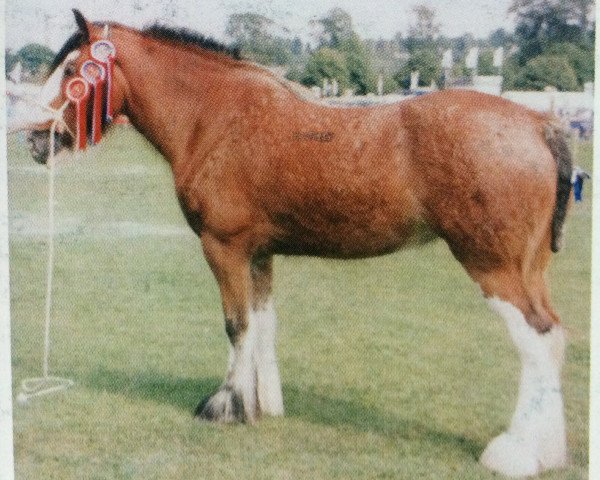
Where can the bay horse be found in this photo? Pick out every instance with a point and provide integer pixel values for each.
(260, 171)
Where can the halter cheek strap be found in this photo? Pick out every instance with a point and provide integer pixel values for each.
(95, 74)
(104, 52)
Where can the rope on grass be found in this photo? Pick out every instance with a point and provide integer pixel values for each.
(35, 387)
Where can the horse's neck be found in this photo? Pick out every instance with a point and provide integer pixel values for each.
(174, 95)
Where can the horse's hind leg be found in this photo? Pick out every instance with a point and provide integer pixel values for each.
(252, 383)
(536, 438)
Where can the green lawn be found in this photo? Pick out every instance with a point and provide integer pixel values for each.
(392, 367)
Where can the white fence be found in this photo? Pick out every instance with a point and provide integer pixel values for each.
(568, 105)
(553, 101)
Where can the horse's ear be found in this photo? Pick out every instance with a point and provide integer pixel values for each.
(82, 24)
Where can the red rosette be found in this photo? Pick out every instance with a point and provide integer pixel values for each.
(104, 51)
(77, 90)
(95, 74)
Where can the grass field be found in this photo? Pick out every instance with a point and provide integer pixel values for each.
(392, 367)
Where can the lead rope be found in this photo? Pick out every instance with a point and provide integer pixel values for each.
(35, 387)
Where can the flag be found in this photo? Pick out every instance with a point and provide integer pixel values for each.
(447, 59)
(472, 58)
(498, 57)
(414, 80)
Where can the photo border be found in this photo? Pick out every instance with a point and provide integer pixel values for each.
(6, 408)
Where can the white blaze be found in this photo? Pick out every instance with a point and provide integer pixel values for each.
(27, 109)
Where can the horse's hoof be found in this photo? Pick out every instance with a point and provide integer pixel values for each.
(511, 456)
(224, 406)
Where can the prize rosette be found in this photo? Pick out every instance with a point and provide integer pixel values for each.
(95, 74)
(104, 51)
(77, 90)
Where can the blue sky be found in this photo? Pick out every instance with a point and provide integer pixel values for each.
(373, 19)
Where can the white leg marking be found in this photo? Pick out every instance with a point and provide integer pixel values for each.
(536, 439)
(270, 399)
(242, 370)
(252, 371)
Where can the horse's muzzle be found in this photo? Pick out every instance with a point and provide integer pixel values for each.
(39, 144)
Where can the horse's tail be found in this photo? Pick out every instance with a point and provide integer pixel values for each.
(556, 138)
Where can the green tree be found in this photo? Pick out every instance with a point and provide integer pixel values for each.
(427, 62)
(553, 29)
(500, 38)
(510, 73)
(547, 70)
(425, 27)
(254, 35)
(10, 60)
(576, 12)
(424, 45)
(385, 55)
(326, 63)
(35, 59)
(461, 45)
(360, 70)
(581, 59)
(297, 47)
(336, 28)
(337, 34)
(296, 74)
(386, 58)
(486, 63)
(542, 23)
(247, 27)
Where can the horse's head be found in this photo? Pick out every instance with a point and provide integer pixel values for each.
(66, 93)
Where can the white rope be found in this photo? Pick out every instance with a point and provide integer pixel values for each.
(35, 387)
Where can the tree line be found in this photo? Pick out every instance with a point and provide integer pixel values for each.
(552, 45)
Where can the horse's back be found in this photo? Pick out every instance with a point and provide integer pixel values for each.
(357, 182)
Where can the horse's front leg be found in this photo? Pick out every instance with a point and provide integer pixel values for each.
(252, 381)
(236, 399)
(262, 314)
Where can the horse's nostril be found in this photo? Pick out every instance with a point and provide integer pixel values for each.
(39, 145)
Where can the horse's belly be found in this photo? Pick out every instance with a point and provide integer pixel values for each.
(352, 239)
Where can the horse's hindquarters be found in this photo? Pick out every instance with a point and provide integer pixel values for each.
(487, 183)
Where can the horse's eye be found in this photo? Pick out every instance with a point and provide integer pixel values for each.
(69, 70)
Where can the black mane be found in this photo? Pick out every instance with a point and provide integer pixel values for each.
(74, 42)
(188, 37)
(161, 32)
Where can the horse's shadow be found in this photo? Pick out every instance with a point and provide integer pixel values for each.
(317, 408)
(304, 403)
(183, 393)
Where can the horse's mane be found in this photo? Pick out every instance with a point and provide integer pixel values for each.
(178, 35)
(188, 37)
(184, 36)
(73, 43)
